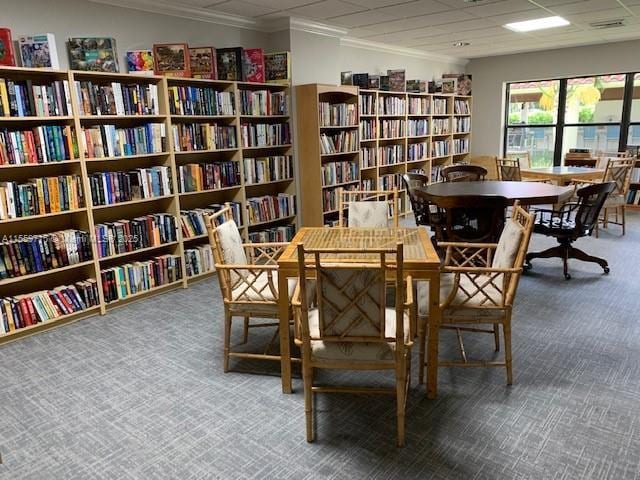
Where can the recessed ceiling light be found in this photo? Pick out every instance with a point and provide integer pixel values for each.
(537, 24)
(460, 44)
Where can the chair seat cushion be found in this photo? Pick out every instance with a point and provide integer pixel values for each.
(363, 352)
(614, 200)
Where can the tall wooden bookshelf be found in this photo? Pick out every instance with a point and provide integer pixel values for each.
(400, 132)
(170, 157)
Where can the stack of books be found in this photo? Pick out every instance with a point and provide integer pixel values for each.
(268, 207)
(39, 196)
(197, 177)
(265, 134)
(263, 103)
(189, 137)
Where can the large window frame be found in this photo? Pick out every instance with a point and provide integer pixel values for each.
(560, 123)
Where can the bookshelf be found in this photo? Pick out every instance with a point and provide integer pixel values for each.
(144, 152)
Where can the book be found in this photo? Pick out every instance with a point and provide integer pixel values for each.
(448, 85)
(463, 82)
(229, 63)
(384, 83)
(39, 51)
(374, 82)
(198, 260)
(253, 65)
(121, 236)
(116, 98)
(277, 67)
(198, 177)
(361, 80)
(263, 103)
(202, 61)
(346, 78)
(97, 54)
(416, 86)
(265, 134)
(396, 80)
(197, 100)
(140, 62)
(7, 57)
(171, 59)
(188, 137)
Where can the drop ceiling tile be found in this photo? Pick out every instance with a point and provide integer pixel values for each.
(463, 3)
(200, 3)
(508, 6)
(281, 4)
(376, 3)
(520, 16)
(585, 6)
(239, 7)
(445, 18)
(361, 19)
(600, 15)
(326, 9)
(417, 7)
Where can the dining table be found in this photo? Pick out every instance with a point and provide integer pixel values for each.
(561, 175)
(420, 261)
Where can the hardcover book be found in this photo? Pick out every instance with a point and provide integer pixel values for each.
(463, 82)
(374, 82)
(416, 86)
(171, 59)
(448, 85)
(346, 78)
(97, 54)
(229, 62)
(361, 80)
(140, 62)
(384, 83)
(7, 56)
(39, 51)
(253, 65)
(396, 80)
(277, 67)
(203, 62)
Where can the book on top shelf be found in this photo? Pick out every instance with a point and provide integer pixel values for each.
(361, 80)
(416, 86)
(203, 62)
(253, 65)
(229, 61)
(7, 56)
(384, 83)
(171, 59)
(448, 85)
(39, 51)
(277, 67)
(140, 62)
(396, 80)
(463, 82)
(374, 82)
(97, 54)
(346, 78)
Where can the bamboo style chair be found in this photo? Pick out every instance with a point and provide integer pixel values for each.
(247, 274)
(478, 286)
(463, 173)
(351, 328)
(368, 208)
(509, 170)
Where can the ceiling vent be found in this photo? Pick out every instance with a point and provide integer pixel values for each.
(608, 24)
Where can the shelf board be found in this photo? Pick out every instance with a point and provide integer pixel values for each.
(141, 250)
(391, 164)
(32, 165)
(418, 136)
(338, 127)
(9, 281)
(335, 185)
(440, 156)
(37, 118)
(441, 115)
(392, 138)
(367, 140)
(211, 190)
(197, 237)
(418, 115)
(460, 153)
(275, 220)
(462, 133)
(368, 168)
(45, 215)
(368, 115)
(131, 202)
(151, 291)
(339, 153)
(392, 115)
(272, 182)
(84, 118)
(192, 152)
(276, 86)
(422, 160)
(125, 157)
(203, 117)
(263, 147)
(461, 114)
(201, 276)
(440, 134)
(263, 117)
(220, 83)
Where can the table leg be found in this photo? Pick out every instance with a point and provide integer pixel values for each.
(433, 325)
(285, 348)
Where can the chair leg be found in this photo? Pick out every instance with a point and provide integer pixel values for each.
(580, 255)
(565, 264)
(227, 340)
(422, 338)
(245, 333)
(307, 375)
(496, 336)
(624, 219)
(506, 327)
(401, 398)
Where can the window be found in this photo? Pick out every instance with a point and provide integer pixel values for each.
(633, 137)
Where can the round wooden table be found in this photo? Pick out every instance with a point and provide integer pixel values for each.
(529, 193)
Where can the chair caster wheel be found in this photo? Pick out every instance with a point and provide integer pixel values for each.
(606, 270)
(567, 276)
(527, 266)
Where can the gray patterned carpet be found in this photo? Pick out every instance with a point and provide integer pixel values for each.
(140, 394)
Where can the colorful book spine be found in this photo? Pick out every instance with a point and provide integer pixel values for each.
(267, 169)
(265, 134)
(263, 103)
(103, 141)
(269, 207)
(198, 260)
(197, 177)
(27, 98)
(189, 100)
(108, 188)
(43, 144)
(116, 98)
(189, 137)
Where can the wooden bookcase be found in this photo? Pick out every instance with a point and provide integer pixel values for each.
(428, 121)
(86, 218)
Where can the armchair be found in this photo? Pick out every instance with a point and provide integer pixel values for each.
(368, 208)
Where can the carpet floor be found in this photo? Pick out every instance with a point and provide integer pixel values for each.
(140, 394)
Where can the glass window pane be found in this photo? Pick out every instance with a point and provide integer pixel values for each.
(634, 136)
(595, 99)
(601, 139)
(533, 103)
(538, 141)
(635, 103)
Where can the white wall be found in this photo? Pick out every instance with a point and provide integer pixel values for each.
(491, 73)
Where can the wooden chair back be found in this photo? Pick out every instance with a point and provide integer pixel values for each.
(508, 169)
(419, 204)
(463, 173)
(619, 171)
(488, 162)
(359, 199)
(524, 158)
(472, 218)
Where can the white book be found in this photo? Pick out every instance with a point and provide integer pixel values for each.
(43, 145)
(153, 92)
(144, 184)
(39, 51)
(118, 98)
(105, 187)
(11, 202)
(78, 92)
(165, 180)
(67, 96)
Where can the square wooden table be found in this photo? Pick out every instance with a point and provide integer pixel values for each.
(421, 262)
(563, 175)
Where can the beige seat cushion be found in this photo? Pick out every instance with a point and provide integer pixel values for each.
(357, 351)
(369, 214)
(231, 245)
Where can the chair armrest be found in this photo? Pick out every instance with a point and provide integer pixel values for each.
(409, 292)
(480, 270)
(295, 299)
(467, 244)
(265, 253)
(266, 244)
(463, 254)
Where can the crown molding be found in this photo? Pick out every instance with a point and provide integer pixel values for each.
(311, 26)
(409, 52)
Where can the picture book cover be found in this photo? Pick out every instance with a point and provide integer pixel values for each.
(374, 82)
(7, 56)
(346, 78)
(171, 59)
(463, 82)
(203, 62)
(448, 85)
(253, 65)
(396, 80)
(384, 83)
(229, 63)
(277, 67)
(413, 86)
(361, 80)
(140, 62)
(39, 51)
(97, 54)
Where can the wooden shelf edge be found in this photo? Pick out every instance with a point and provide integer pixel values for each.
(22, 278)
(41, 216)
(134, 252)
(201, 276)
(144, 294)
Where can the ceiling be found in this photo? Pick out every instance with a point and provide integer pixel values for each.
(434, 25)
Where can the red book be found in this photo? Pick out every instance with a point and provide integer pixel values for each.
(32, 311)
(7, 56)
(253, 65)
(24, 310)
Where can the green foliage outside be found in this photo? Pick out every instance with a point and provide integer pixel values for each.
(586, 114)
(538, 118)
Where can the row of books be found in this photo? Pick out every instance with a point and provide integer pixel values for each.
(193, 222)
(390, 154)
(265, 134)
(337, 114)
(330, 197)
(191, 100)
(43, 144)
(39, 196)
(109, 141)
(440, 148)
(283, 233)
(196, 177)
(131, 278)
(391, 181)
(367, 103)
(189, 137)
(436, 171)
(108, 188)
(633, 197)
(198, 260)
(31, 309)
(339, 172)
(441, 126)
(267, 169)
(116, 98)
(29, 254)
(269, 207)
(439, 106)
(461, 107)
(344, 141)
(417, 127)
(462, 125)
(419, 106)
(26, 99)
(460, 145)
(392, 105)
(417, 151)
(263, 102)
(392, 128)
(122, 236)
(368, 184)
(368, 157)
(368, 129)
